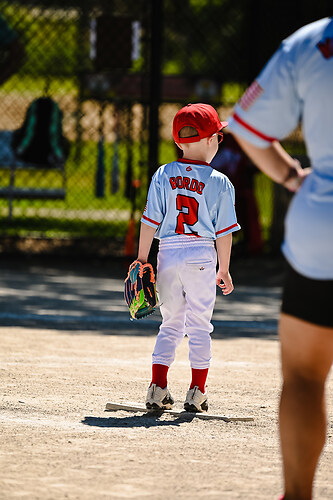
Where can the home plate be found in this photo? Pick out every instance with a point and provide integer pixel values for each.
(177, 413)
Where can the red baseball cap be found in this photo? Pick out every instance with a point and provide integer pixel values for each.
(202, 117)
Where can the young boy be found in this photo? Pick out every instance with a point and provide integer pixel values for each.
(190, 206)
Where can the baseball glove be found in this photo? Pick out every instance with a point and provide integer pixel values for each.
(140, 291)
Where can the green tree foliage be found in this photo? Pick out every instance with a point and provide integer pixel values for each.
(50, 38)
(219, 39)
(204, 37)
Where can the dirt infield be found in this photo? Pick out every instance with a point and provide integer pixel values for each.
(67, 348)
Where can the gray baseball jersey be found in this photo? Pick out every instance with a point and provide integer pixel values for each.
(296, 85)
(190, 197)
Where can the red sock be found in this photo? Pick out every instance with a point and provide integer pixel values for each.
(159, 375)
(199, 378)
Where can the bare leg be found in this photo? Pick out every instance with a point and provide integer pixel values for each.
(307, 354)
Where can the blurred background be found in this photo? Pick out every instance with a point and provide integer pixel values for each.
(88, 91)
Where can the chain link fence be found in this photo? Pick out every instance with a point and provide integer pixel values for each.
(98, 83)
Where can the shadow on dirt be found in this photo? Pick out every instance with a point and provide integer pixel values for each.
(135, 421)
(79, 298)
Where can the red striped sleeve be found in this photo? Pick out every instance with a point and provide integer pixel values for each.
(151, 220)
(252, 129)
(227, 229)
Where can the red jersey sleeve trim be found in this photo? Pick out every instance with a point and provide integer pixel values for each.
(227, 229)
(151, 220)
(252, 129)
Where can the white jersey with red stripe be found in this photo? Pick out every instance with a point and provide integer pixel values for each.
(190, 197)
(296, 85)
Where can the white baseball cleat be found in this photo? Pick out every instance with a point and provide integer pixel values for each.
(158, 398)
(196, 401)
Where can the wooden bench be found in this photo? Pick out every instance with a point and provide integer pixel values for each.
(13, 192)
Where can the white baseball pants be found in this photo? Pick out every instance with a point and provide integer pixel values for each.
(186, 287)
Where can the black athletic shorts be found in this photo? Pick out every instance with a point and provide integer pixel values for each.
(308, 299)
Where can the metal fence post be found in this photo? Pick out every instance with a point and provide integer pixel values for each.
(155, 83)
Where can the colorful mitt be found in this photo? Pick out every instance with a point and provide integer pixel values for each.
(140, 291)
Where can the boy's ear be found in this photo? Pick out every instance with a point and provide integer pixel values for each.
(179, 145)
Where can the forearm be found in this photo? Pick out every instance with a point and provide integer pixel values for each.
(145, 241)
(223, 247)
(223, 278)
(274, 161)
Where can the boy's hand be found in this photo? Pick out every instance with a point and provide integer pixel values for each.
(224, 281)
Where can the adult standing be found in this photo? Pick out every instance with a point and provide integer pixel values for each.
(296, 86)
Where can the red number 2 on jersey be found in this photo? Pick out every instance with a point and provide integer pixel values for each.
(189, 217)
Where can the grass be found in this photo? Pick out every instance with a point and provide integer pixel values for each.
(61, 228)
(32, 86)
(82, 213)
(81, 169)
(263, 188)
